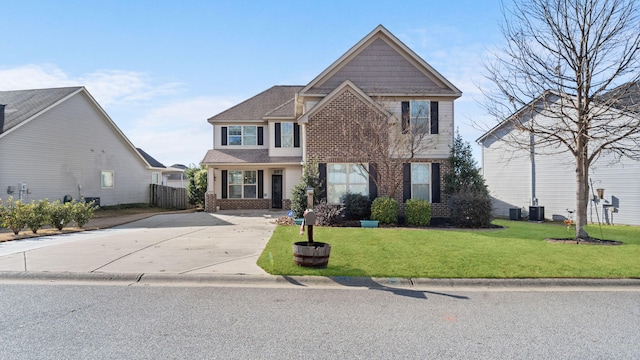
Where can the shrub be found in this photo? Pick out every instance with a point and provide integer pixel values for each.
(197, 184)
(327, 215)
(81, 213)
(310, 178)
(60, 214)
(2, 212)
(37, 215)
(385, 210)
(299, 199)
(418, 212)
(356, 206)
(15, 215)
(470, 209)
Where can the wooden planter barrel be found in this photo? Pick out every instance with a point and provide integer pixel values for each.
(315, 255)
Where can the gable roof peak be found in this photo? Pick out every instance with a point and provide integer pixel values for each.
(380, 63)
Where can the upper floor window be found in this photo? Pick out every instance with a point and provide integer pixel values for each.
(421, 116)
(241, 135)
(287, 135)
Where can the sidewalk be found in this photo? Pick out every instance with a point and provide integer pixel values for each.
(227, 242)
(203, 249)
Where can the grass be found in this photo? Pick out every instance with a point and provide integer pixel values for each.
(517, 251)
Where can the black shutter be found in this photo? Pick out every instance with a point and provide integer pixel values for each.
(406, 116)
(278, 135)
(434, 117)
(260, 135)
(260, 184)
(406, 182)
(322, 172)
(435, 183)
(224, 184)
(223, 135)
(296, 135)
(373, 176)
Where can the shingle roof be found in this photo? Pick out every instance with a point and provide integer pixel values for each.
(257, 107)
(627, 96)
(23, 104)
(153, 162)
(248, 156)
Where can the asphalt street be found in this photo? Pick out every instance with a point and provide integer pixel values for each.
(142, 322)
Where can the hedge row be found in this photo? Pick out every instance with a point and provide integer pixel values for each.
(16, 215)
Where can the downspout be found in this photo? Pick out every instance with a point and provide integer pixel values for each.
(2, 118)
(532, 156)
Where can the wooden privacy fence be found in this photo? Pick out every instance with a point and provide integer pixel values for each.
(169, 197)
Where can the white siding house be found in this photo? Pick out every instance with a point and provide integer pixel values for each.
(59, 142)
(520, 178)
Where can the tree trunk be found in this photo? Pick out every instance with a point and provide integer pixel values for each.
(582, 192)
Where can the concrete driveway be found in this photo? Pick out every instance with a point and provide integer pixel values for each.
(226, 242)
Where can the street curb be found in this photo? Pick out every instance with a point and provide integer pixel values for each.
(241, 280)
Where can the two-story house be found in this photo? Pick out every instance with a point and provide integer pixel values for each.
(261, 144)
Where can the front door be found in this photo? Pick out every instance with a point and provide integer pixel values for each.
(276, 191)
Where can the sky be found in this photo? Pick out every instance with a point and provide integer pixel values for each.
(160, 68)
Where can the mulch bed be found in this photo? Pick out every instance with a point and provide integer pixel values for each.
(589, 241)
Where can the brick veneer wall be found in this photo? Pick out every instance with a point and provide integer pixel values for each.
(328, 132)
(240, 204)
(210, 202)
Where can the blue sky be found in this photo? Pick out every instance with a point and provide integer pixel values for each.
(161, 68)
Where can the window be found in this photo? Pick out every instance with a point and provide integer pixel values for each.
(243, 184)
(286, 134)
(155, 178)
(421, 116)
(106, 179)
(421, 181)
(343, 178)
(242, 135)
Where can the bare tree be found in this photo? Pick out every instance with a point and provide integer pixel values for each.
(386, 142)
(565, 77)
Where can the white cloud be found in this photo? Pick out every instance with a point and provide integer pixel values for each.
(107, 86)
(178, 132)
(172, 131)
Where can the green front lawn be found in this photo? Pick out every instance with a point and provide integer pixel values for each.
(518, 251)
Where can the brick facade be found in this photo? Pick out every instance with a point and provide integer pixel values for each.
(240, 204)
(331, 140)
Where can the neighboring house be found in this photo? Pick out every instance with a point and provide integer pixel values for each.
(59, 142)
(520, 178)
(175, 176)
(260, 144)
(161, 174)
